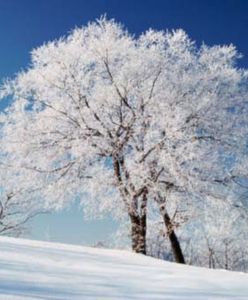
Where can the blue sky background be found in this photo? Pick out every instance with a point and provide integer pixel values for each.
(25, 24)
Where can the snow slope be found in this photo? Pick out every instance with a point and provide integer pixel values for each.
(40, 270)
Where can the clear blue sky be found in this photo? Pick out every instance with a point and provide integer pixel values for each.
(25, 24)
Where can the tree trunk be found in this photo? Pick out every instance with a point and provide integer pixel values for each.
(138, 233)
(138, 220)
(175, 245)
(143, 216)
(135, 232)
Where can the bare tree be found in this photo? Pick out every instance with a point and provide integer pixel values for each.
(15, 214)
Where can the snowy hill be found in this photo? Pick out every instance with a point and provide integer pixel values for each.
(39, 270)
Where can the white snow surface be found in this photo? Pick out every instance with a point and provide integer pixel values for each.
(41, 270)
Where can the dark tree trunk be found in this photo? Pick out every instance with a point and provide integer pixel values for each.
(143, 216)
(135, 232)
(175, 245)
(138, 219)
(138, 233)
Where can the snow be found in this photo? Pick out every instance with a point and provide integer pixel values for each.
(42, 270)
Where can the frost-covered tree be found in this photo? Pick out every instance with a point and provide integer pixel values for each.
(217, 238)
(17, 202)
(117, 121)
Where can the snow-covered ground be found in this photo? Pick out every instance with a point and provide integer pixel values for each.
(40, 270)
